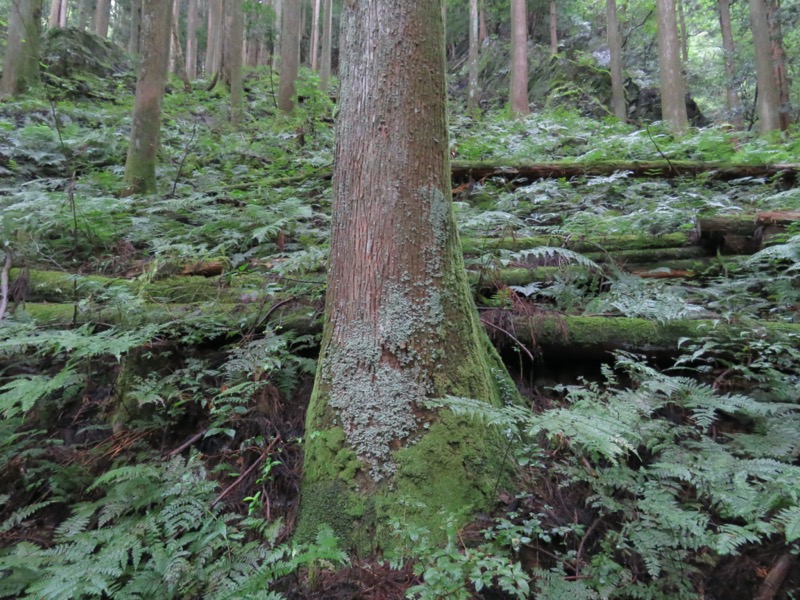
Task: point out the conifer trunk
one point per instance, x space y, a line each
768 103
191 40
327 42
400 325
519 59
673 93
140 167
618 104
732 101
474 43
290 54
779 63
102 15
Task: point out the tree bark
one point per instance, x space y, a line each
618 105
473 97
62 14
732 101
216 23
102 15
553 27
276 47
191 41
400 326
175 49
519 59
779 63
290 54
21 67
768 102
673 94
483 31
140 167
327 43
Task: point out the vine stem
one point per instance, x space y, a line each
249 470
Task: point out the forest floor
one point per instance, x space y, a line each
158 352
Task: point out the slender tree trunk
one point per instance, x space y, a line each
140 167
673 95
732 101
768 103
276 51
400 325
62 14
136 27
21 67
102 15
315 37
175 50
519 59
553 27
779 62
191 41
55 10
215 39
233 57
618 104
327 42
290 54
483 31
473 97
684 34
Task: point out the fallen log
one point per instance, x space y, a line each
576 243
743 234
463 172
551 335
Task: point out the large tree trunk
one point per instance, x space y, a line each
85 9
519 59
290 54
62 14
21 67
102 15
618 105
768 103
473 97
553 27
191 41
140 167
673 94
779 63
732 101
327 43
400 325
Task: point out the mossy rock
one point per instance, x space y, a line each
72 53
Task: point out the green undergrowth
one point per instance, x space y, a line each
643 483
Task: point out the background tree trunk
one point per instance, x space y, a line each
315 37
779 62
21 67
553 27
102 15
191 41
732 101
62 13
85 9
684 34
618 104
136 27
276 48
55 10
216 25
400 324
327 43
768 103
519 59
175 50
290 54
473 97
233 58
483 31
673 94
140 167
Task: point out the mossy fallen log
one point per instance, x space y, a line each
552 335
592 243
475 171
